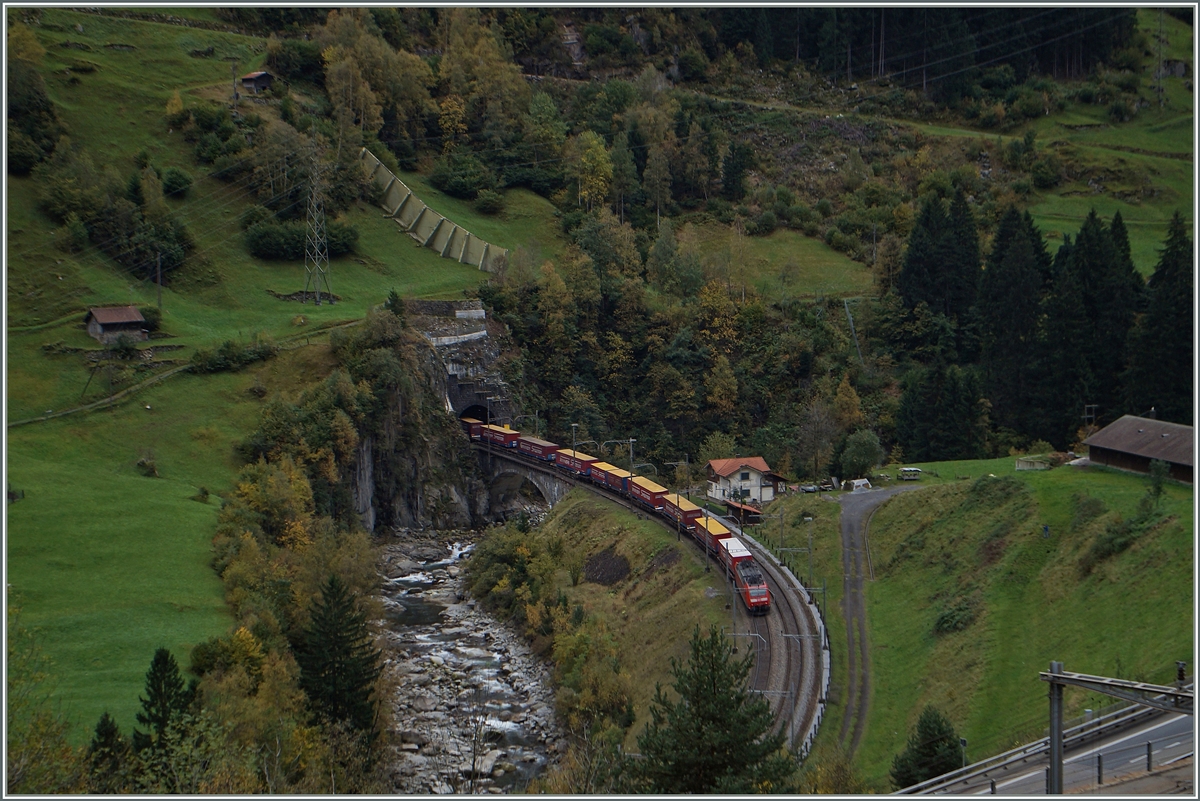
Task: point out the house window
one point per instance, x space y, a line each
745 476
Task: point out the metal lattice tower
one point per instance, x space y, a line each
316 247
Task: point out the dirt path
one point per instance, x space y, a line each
856 570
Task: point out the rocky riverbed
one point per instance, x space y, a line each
473 708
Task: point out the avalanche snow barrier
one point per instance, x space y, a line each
424 224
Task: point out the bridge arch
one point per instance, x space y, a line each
507 473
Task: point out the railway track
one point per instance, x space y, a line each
790 645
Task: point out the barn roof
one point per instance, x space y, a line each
1152 439
108 315
252 75
727 467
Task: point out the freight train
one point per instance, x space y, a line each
711 534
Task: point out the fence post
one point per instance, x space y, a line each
1149 763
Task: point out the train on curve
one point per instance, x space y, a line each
711 534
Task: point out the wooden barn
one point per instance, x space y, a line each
255 82
106 323
1131 442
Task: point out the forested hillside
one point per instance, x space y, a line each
830 237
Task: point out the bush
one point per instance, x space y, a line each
1120 111
209 148
73 236
176 182
123 347
286 241
153 317
489 202
954 617
766 223
255 215
208 117
231 356
693 65
23 152
341 239
298 59
824 207
1046 171
461 175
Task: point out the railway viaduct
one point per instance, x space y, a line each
506 472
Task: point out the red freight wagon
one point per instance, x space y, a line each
537 448
710 532
732 551
505 437
574 461
618 479
681 510
647 492
600 472
471 426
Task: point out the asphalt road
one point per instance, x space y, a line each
857 508
1123 757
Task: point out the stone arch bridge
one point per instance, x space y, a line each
506 472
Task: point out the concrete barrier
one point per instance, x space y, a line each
424 224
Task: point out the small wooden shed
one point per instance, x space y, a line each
106 323
255 82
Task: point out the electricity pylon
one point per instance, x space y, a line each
316 247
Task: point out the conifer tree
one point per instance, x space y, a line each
715 737
933 749
338 662
166 697
921 268
1065 382
961 272
1160 356
1007 317
1109 291
106 755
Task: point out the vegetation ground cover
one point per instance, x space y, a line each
650 614
93 526
115 110
976 548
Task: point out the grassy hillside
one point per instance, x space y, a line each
975 549
109 563
650 613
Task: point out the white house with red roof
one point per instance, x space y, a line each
742 478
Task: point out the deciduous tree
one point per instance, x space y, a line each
595 170
861 454
658 179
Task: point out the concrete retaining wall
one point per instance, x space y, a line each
427 226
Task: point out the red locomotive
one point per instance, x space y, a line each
746 576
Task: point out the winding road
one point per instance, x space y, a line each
857 508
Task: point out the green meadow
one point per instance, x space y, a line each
969 539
